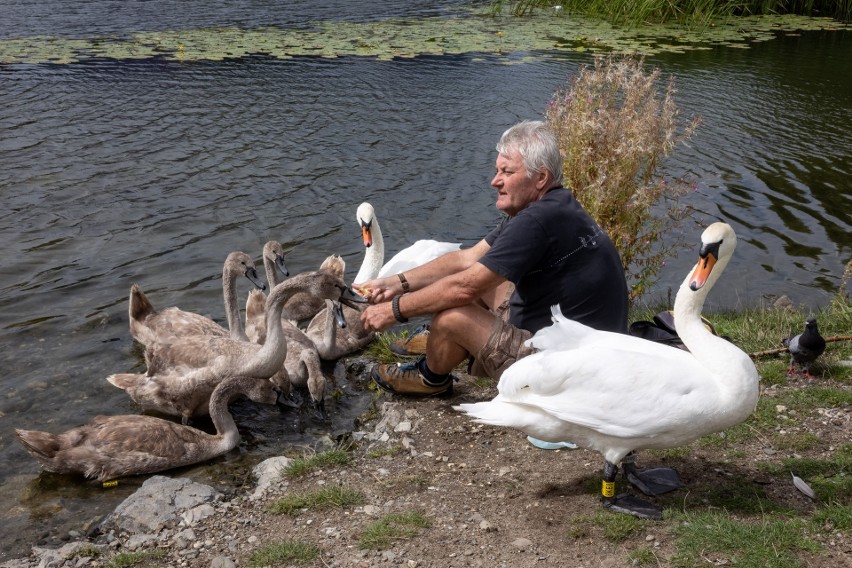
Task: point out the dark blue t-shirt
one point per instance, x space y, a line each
554 252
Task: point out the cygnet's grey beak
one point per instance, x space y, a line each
351 298
251 274
337 312
279 264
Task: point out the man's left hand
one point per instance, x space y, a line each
378 317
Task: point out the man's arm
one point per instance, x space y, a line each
384 289
457 289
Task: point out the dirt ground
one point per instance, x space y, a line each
494 500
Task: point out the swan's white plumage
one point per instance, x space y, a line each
617 393
374 266
420 252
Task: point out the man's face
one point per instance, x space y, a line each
514 189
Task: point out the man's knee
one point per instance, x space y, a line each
466 326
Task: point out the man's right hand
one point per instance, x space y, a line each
379 290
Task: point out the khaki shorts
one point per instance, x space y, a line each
505 345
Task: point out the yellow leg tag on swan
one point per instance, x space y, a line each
608 489
113 483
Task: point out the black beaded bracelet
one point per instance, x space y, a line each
405 287
397 315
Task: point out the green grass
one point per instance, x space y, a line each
758 330
88 551
797 442
304 465
404 484
831 479
335 496
618 528
718 537
379 349
382 533
833 518
643 556
737 495
766 417
382 452
127 559
285 552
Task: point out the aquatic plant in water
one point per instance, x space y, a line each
472 32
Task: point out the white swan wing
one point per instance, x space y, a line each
419 253
587 389
566 334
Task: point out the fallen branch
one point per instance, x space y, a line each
780 350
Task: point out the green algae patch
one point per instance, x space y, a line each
469 34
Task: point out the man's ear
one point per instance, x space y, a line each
543 179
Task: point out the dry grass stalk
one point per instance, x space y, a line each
614 129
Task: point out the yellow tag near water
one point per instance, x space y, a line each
608 489
113 483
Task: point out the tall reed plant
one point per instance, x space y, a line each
614 126
690 12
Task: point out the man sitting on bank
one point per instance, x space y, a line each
548 248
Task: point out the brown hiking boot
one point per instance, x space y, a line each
405 378
414 344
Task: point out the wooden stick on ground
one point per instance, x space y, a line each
780 350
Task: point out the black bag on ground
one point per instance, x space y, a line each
662 330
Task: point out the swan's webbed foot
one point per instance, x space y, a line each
625 503
319 409
656 481
631 505
288 401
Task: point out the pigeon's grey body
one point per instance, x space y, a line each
805 347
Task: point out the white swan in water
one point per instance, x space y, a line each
148 325
183 372
333 340
374 265
115 446
617 393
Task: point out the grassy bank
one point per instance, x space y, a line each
747 511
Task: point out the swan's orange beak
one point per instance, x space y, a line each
367 234
702 271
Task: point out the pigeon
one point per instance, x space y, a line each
805 347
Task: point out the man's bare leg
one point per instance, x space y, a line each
456 333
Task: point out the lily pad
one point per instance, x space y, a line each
470 32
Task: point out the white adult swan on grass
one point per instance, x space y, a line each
183 372
617 394
148 325
116 446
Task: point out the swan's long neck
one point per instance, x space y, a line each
272 275
272 354
232 310
329 330
712 351
223 421
374 256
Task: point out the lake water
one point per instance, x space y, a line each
151 171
